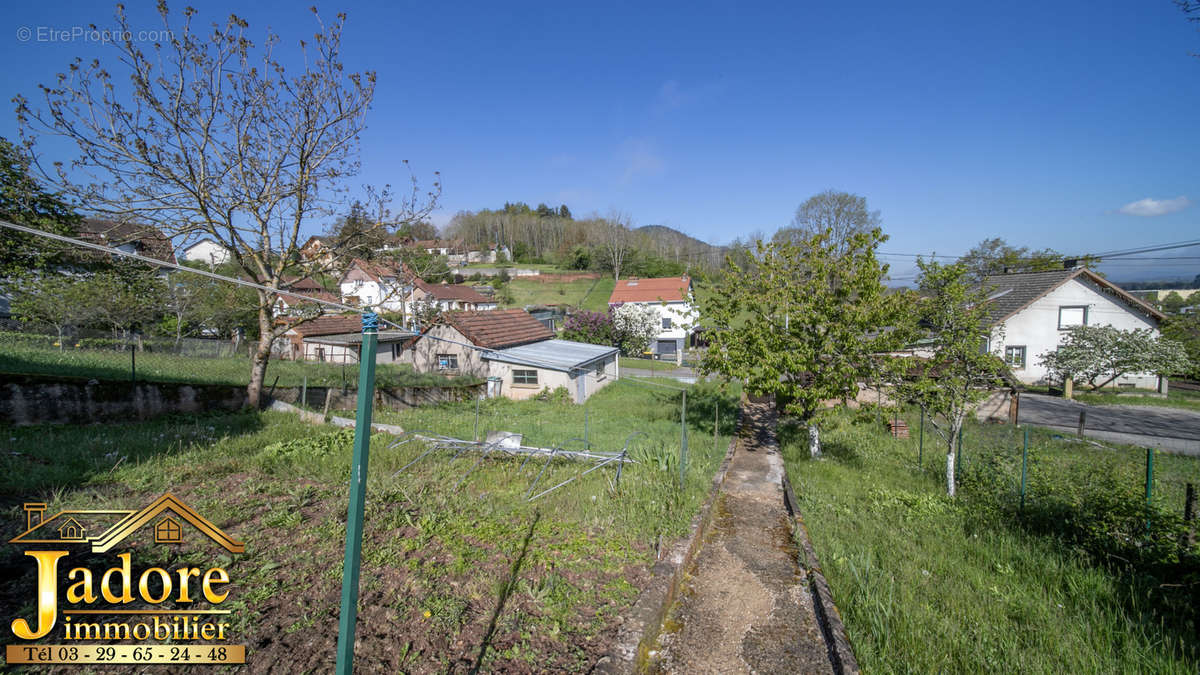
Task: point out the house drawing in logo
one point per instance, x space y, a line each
71 526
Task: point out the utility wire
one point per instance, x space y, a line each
242 282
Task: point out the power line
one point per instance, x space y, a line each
241 282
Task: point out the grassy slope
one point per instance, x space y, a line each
152 367
1176 398
438 552
591 294
927 584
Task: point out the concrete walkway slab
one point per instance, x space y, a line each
747 605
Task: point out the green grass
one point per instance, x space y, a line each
647 364
1176 398
926 583
590 294
441 546
159 367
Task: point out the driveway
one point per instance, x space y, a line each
1169 429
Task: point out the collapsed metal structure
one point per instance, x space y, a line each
508 445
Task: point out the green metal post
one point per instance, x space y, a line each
921 443
716 427
476 419
358 485
683 440
585 426
304 392
1149 485
1024 464
132 364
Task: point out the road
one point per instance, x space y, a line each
1170 429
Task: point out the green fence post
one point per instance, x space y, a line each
132 364
683 440
586 445
716 426
1024 464
358 486
1149 485
921 443
476 419
304 392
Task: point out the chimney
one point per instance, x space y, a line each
1070 263
33 514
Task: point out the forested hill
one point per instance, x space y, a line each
544 234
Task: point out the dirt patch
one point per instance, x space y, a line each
428 603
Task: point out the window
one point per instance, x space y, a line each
666 322
167 531
1014 356
1072 316
666 346
525 377
447 361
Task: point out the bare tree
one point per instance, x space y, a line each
838 215
614 241
211 136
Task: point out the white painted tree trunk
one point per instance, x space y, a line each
814 441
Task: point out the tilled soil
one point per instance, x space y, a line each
746 607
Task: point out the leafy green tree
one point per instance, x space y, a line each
57 300
1097 355
24 202
1185 329
124 298
801 320
953 309
1172 303
836 215
994 256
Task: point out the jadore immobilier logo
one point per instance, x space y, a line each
110 611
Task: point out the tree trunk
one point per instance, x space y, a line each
951 447
814 441
262 355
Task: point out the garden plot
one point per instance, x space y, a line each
456 573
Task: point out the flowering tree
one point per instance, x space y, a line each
592 327
1097 355
634 326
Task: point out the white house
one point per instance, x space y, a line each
336 339
446 297
672 297
515 352
206 251
1030 312
381 286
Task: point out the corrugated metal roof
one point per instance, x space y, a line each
553 354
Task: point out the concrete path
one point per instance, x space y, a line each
1168 429
747 607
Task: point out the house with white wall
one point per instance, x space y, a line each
449 297
1030 312
672 298
384 287
336 339
515 352
206 251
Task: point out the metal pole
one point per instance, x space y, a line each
304 392
1024 464
585 426
683 440
921 443
1082 421
476 419
1149 485
358 485
132 364
716 426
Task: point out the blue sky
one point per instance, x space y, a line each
1034 121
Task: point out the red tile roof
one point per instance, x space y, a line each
499 328
460 293
668 289
147 239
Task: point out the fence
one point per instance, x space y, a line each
32 350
